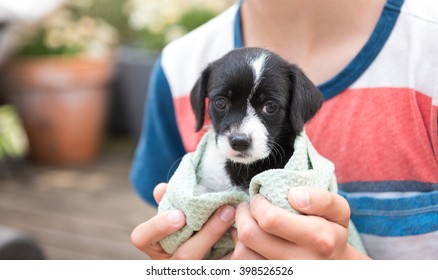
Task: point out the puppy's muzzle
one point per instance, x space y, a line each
239 142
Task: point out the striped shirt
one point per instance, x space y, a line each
378 124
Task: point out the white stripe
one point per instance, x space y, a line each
185 58
415 247
408 58
384 195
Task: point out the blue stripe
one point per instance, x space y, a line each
369 52
396 226
364 58
395 216
238 41
159 130
388 186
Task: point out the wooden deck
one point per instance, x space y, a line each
84 212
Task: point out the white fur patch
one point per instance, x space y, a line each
212 174
257 65
253 127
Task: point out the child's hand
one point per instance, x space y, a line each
265 230
147 235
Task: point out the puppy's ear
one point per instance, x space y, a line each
306 99
198 96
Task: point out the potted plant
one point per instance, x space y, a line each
58 82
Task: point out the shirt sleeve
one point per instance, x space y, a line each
160 146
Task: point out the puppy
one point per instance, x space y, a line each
258 103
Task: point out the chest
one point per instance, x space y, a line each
378 134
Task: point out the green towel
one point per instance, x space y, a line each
305 168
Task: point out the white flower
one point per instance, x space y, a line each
90 35
156 15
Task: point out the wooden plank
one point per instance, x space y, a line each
106 211
76 213
54 221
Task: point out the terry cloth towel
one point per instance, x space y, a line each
305 168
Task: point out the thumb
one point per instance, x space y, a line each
159 191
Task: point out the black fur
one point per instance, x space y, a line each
231 78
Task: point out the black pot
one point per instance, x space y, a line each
130 88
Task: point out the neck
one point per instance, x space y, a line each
303 31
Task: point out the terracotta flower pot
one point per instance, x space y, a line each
62 101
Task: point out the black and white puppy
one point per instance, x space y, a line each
258 104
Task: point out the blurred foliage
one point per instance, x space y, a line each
156 41
194 18
157 22
112 12
13 139
78 26
185 16
37 47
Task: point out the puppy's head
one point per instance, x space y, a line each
255 99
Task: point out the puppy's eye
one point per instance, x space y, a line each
220 103
270 108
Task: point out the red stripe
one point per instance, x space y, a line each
187 123
378 134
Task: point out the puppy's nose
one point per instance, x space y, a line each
239 142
